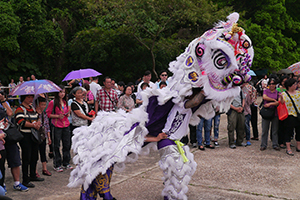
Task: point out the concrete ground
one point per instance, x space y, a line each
222 173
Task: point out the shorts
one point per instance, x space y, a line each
13 155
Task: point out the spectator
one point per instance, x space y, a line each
193 137
107 98
76 82
120 90
28 78
94 86
41 104
79 109
247 90
133 95
58 111
291 123
139 96
27 118
33 77
146 79
126 102
12 150
281 140
162 84
163 75
236 121
281 87
206 123
11 85
89 97
216 120
3 125
262 84
270 100
21 80
113 84
253 108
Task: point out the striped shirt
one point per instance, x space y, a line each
22 116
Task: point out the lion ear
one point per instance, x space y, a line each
233 18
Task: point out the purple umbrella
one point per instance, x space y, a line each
35 87
82 73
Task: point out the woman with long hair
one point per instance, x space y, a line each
58 111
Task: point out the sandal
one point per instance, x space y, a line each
201 148
47 173
209 146
289 152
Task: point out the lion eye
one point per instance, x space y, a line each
221 60
199 50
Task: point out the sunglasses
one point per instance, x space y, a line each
164 75
272 83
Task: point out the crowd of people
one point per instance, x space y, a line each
60 116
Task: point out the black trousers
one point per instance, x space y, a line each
254 120
2 165
42 150
29 157
193 136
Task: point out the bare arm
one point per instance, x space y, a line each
195 101
9 111
265 97
79 114
96 106
155 139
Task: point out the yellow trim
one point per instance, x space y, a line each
181 151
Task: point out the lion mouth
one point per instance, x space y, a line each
217 85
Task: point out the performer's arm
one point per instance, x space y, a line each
160 136
195 101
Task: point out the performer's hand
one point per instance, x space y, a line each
161 136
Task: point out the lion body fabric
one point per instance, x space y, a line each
217 62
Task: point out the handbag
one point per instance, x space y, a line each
35 135
298 114
267 113
282 111
13 135
42 131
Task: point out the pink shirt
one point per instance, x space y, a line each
90 95
60 123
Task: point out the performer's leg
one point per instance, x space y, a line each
175 180
89 194
102 184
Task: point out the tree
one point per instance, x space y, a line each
9 30
273 31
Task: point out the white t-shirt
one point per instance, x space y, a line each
151 84
177 124
94 87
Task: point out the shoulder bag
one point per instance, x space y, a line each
298 114
268 113
115 107
35 135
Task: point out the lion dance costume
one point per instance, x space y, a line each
217 62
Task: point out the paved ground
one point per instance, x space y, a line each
222 173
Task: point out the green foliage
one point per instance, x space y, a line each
122 38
